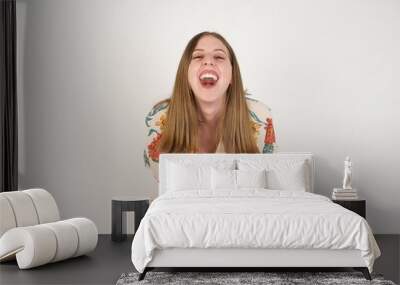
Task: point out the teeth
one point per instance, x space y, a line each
208 76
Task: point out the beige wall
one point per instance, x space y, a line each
89 71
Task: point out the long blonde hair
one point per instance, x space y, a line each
180 134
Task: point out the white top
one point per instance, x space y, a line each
262 125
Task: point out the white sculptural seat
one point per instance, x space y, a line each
31 231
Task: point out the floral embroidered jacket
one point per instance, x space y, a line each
155 122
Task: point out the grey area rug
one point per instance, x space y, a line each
270 278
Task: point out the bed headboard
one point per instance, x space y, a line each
201 159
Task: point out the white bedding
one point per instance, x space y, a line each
250 218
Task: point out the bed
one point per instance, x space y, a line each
245 211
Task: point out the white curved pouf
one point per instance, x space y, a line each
31 233
87 235
33 246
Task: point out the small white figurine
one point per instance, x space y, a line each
347 174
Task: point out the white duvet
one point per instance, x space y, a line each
250 218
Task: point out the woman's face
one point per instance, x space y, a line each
210 70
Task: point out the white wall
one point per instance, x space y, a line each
89 72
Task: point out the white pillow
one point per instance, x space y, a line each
236 179
288 179
282 174
223 179
251 178
183 177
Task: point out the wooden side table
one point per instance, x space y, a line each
123 204
357 206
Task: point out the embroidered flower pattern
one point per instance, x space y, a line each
146 159
152 152
152 148
269 134
161 122
269 139
256 129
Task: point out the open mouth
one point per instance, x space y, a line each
208 78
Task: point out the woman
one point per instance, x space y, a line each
208 111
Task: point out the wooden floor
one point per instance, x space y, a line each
111 259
